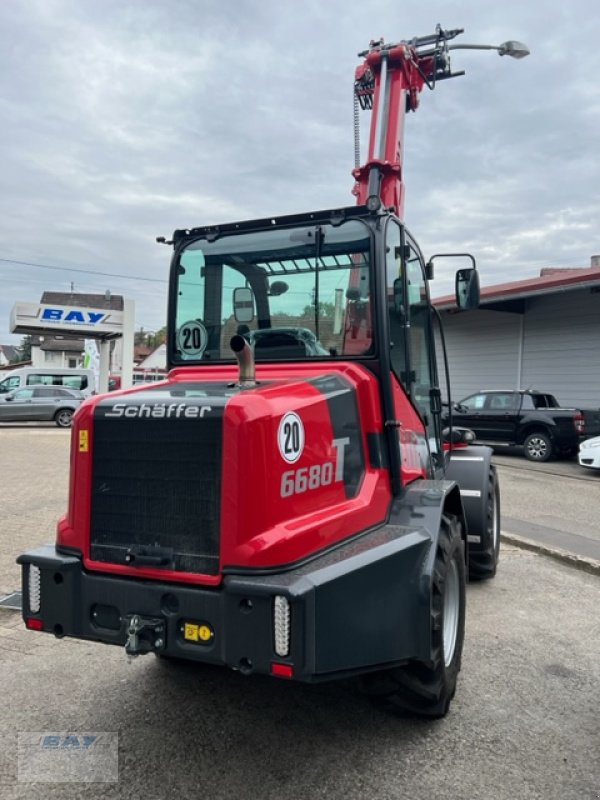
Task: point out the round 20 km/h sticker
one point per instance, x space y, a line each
290 437
192 338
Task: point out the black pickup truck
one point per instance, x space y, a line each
529 418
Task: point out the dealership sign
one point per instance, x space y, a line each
33 318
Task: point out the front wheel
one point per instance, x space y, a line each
538 446
63 418
484 561
427 689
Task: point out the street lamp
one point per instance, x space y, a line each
511 48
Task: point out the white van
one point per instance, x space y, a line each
81 379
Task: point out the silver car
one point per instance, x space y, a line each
40 404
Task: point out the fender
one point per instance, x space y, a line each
423 503
531 423
470 468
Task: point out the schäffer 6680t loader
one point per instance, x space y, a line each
286 501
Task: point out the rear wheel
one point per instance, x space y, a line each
538 446
63 418
483 562
427 689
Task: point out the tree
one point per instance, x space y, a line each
157 338
24 352
325 310
151 339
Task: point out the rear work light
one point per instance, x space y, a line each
579 422
281 625
34 588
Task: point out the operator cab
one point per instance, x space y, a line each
294 292
309 288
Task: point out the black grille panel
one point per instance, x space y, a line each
156 488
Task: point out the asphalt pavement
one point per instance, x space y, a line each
523 725
552 507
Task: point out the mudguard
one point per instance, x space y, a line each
470 468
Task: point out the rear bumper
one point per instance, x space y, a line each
589 458
360 607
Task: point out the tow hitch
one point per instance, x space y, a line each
144 635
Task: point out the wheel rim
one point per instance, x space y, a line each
537 447
451 611
64 418
495 521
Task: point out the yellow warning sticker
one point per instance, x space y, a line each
84 441
200 632
190 632
204 633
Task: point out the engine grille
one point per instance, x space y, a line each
156 487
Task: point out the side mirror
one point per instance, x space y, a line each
243 304
277 288
463 436
467 288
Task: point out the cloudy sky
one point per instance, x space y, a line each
122 120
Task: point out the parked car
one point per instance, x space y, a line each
529 418
589 453
40 404
78 380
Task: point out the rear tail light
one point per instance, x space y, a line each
282 670
579 422
281 625
34 587
34 624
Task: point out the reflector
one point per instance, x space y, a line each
34 588
282 670
281 625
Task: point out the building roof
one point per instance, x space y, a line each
141 351
551 281
114 301
10 351
59 344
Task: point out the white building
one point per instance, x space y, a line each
542 333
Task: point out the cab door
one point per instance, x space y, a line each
412 352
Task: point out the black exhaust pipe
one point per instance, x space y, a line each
245 358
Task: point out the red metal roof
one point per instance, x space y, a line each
557 281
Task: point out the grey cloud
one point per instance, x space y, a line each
125 121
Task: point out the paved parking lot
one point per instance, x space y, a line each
524 724
555 505
34 463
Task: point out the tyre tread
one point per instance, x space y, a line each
427 689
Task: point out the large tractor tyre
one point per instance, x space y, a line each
427 689
484 562
538 446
